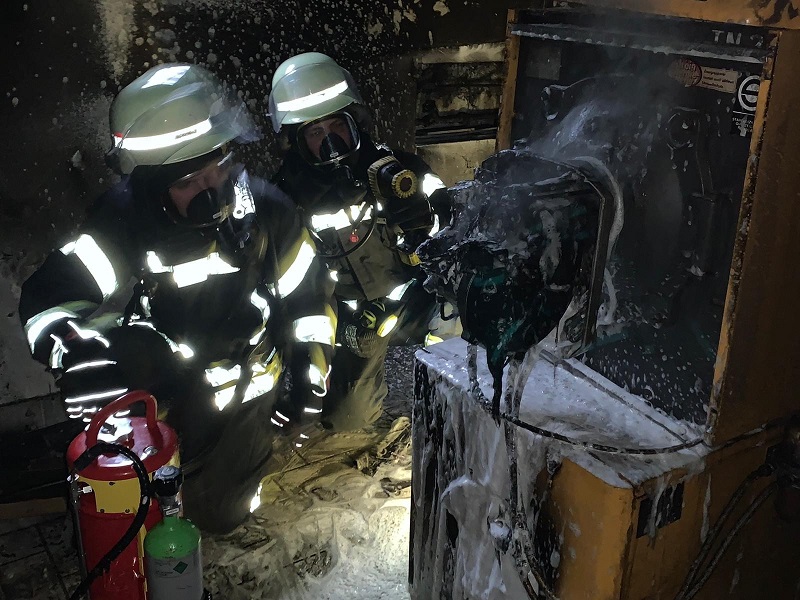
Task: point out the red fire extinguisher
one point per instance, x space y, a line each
110 498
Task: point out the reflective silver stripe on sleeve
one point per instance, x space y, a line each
340 219
38 323
261 304
315 328
317 378
95 261
398 292
224 396
294 275
221 376
115 393
217 376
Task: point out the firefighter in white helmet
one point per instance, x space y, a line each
228 290
368 207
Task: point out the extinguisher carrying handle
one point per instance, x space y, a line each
120 404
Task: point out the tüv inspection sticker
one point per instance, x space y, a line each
692 74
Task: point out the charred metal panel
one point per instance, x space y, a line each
689 105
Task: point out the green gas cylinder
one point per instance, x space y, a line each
173 563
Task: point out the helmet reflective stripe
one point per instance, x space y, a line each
38 323
293 275
192 272
261 304
317 378
430 183
339 219
96 396
173 113
166 76
165 140
398 292
316 328
307 87
96 262
313 99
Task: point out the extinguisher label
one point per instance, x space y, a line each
177 578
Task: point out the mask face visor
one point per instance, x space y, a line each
328 140
204 197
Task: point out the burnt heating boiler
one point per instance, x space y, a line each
650 449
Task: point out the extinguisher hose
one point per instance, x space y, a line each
84 460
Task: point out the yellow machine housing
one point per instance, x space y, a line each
637 538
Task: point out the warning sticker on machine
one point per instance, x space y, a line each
722 80
691 74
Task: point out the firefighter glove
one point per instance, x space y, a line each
409 214
91 376
362 330
96 369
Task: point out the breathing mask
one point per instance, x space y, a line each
328 140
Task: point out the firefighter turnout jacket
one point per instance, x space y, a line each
365 253
238 300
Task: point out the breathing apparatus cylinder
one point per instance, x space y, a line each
108 492
173 561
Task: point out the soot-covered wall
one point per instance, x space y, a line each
64 61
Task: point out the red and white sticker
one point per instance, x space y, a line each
691 74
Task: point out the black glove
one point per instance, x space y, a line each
409 214
54 332
90 374
442 204
362 331
98 369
